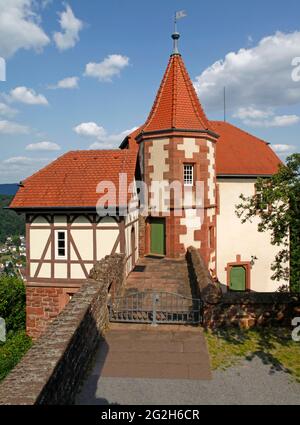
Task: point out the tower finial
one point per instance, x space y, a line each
175 36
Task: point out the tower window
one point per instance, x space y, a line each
188 174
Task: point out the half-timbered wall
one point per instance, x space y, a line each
52 276
131 240
88 239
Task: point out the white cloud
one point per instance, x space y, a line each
71 27
11 127
28 96
43 146
7 111
20 27
66 83
90 129
252 113
283 149
17 168
111 66
264 118
103 139
21 160
259 76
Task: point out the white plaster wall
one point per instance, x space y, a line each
45 271
107 222
38 241
193 223
211 170
77 272
131 220
60 271
83 240
159 193
105 242
33 267
189 147
235 238
210 214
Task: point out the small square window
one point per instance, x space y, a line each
188 175
60 245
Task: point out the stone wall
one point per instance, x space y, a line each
202 283
243 309
43 304
52 370
252 309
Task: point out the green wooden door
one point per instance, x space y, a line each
158 236
238 278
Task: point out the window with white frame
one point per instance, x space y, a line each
188 174
61 244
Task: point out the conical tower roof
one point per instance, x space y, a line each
177 105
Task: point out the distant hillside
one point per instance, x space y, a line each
11 224
8 189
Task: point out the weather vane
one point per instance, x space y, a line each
178 15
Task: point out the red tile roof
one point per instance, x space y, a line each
240 153
72 179
237 152
177 105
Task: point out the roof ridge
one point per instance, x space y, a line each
174 93
193 96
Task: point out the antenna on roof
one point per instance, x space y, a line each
178 15
224 104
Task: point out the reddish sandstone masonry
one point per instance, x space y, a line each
43 304
174 228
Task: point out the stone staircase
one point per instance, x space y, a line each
159 274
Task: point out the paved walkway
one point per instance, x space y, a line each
251 382
142 351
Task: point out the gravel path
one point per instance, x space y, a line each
250 382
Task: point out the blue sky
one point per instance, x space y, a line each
52 101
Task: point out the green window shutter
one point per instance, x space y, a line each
238 278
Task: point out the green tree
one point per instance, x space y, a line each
11 224
277 203
12 302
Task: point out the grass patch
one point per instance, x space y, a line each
274 346
12 351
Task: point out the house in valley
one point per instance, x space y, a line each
66 236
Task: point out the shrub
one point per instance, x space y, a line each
12 351
12 303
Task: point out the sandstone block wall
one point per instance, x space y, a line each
52 370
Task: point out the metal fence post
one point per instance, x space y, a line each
154 301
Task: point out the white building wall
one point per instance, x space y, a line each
235 238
